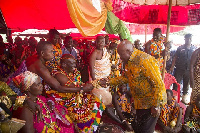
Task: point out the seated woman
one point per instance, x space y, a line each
122 103
84 108
171 114
10 100
192 117
51 121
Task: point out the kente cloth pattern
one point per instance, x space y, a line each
196 89
123 103
88 112
25 80
156 48
144 79
169 113
102 68
54 121
57 51
192 122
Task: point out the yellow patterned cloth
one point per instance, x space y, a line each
145 82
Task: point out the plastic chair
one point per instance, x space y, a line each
169 80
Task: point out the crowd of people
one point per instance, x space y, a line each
109 85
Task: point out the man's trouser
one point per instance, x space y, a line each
144 121
182 75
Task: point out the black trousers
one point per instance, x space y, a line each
144 121
182 75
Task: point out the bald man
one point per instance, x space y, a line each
146 86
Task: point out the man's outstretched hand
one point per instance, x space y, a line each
88 87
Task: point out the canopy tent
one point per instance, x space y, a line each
21 15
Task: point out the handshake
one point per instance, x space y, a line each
104 82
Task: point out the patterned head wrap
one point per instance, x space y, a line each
25 80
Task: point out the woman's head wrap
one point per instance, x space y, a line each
25 80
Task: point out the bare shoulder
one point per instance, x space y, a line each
93 54
148 43
40 67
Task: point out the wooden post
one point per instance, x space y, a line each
167 36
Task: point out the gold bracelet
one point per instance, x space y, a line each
19 102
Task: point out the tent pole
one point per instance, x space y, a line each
145 33
167 36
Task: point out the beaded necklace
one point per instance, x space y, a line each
52 125
73 77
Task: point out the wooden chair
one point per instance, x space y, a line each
169 80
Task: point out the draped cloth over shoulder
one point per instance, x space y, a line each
102 69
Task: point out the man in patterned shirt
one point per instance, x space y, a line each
147 88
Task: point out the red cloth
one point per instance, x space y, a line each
156 14
36 14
